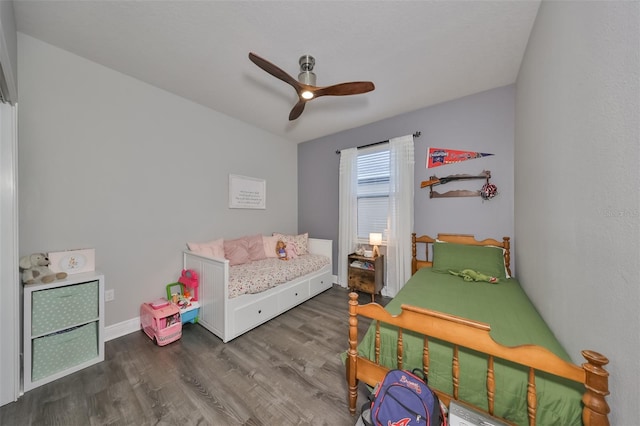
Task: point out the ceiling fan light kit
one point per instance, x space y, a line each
305 86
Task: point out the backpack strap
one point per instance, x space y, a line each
421 374
444 411
365 415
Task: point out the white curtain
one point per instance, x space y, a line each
401 185
348 221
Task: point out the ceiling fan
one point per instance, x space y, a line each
305 85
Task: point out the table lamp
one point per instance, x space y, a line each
375 239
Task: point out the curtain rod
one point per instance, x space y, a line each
415 135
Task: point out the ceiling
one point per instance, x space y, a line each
417 53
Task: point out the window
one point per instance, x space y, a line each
373 191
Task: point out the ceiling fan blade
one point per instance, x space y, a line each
297 110
344 89
273 70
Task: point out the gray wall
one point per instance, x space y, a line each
577 202
482 122
109 162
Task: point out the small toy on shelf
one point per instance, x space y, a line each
189 278
180 295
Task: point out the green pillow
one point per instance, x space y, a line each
488 260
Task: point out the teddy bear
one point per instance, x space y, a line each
281 250
35 268
471 275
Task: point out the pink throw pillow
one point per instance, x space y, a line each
236 251
214 248
256 247
269 245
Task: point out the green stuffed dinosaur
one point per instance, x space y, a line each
471 275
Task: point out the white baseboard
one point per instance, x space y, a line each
335 281
121 329
130 326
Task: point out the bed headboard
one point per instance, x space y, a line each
425 261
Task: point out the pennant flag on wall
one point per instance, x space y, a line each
441 156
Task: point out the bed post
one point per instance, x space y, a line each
414 259
596 409
507 253
352 353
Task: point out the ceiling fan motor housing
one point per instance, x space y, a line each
306 76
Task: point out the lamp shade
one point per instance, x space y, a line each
375 238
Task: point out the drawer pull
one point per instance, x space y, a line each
259 311
296 294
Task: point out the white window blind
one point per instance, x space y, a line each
373 191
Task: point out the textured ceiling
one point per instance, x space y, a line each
418 53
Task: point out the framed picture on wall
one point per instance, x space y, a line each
247 192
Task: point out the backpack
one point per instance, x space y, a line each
404 399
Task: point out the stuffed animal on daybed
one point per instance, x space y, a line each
281 250
291 252
471 275
35 269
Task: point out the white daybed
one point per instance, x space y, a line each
227 317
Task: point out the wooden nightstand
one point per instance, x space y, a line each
366 274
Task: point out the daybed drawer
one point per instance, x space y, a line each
249 316
59 351
320 283
57 308
293 296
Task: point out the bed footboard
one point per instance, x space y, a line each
464 333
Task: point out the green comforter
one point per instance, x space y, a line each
514 321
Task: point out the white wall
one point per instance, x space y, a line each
107 161
577 204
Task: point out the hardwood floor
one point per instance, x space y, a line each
285 372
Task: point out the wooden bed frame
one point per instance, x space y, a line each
474 335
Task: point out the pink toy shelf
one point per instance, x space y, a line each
184 294
160 320
189 278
